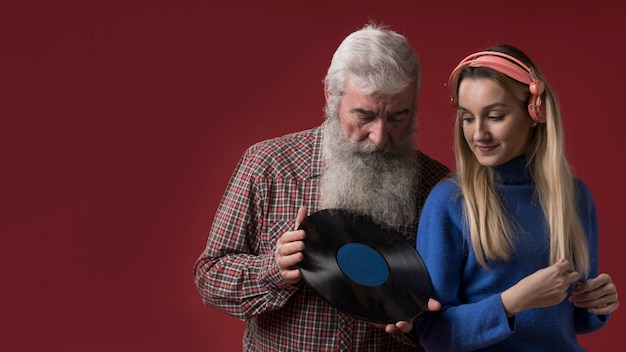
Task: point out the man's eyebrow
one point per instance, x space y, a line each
401 112
363 111
370 112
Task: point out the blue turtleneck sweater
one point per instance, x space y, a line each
473 317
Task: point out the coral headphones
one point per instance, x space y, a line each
509 66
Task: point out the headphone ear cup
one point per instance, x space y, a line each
535 113
536 110
534 107
537 87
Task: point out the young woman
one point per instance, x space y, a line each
511 241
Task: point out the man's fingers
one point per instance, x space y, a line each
404 326
301 216
433 305
291 276
290 261
292 243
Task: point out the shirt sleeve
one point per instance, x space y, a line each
237 273
458 326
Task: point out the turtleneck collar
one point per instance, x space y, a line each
513 171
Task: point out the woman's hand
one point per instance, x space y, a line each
598 295
545 287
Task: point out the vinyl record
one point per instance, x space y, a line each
363 269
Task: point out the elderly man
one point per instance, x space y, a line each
362 158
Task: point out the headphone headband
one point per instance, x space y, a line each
509 66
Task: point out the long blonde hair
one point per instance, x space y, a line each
490 226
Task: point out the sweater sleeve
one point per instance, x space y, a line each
586 322
459 325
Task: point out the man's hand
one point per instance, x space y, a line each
289 249
406 326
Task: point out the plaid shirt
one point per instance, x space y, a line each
237 274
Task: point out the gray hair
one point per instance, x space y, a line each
375 59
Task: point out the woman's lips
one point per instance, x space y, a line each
486 149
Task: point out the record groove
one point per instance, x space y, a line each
365 270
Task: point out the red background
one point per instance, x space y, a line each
121 122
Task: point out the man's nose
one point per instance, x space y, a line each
379 132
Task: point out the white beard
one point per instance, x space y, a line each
361 177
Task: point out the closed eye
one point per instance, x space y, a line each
399 116
465 116
364 116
